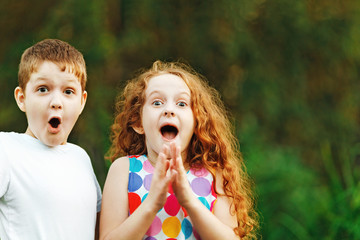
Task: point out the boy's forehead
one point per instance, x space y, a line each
48 70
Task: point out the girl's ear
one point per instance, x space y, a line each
20 98
139 129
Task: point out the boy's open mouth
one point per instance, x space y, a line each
54 122
169 132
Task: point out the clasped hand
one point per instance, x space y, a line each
169 169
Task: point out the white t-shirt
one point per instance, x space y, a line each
46 192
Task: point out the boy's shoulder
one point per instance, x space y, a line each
15 138
22 140
77 148
4 136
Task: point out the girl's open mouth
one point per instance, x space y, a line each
169 132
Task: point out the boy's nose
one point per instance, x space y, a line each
56 102
56 106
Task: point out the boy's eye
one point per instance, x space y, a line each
42 89
68 91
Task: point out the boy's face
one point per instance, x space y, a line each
52 101
167 115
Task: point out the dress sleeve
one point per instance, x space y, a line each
4 171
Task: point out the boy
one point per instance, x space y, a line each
48 189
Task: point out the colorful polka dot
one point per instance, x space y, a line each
135 182
199 172
170 190
148 167
135 165
144 197
171 227
134 202
196 235
150 238
147 181
203 201
186 228
172 205
171 221
155 227
201 186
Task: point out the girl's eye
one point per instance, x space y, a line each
42 89
182 104
157 103
68 91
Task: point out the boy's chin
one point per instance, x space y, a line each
48 139
53 141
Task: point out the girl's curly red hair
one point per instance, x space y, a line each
213 144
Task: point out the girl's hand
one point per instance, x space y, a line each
180 183
161 179
222 221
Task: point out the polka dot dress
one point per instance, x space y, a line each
172 221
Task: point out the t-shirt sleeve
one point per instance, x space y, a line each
98 194
4 171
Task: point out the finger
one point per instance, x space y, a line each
173 175
179 160
173 150
162 163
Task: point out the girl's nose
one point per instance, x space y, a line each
169 113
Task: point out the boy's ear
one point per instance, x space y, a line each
20 98
138 129
83 100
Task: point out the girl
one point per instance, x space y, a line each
187 180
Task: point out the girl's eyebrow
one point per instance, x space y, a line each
182 93
156 92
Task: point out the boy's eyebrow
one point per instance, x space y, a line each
47 79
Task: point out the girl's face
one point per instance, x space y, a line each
167 115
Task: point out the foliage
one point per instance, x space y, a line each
287 70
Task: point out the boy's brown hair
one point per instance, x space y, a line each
59 52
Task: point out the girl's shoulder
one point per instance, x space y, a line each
119 165
118 174
126 163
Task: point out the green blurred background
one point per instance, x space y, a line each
288 70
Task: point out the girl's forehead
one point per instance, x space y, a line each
166 82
